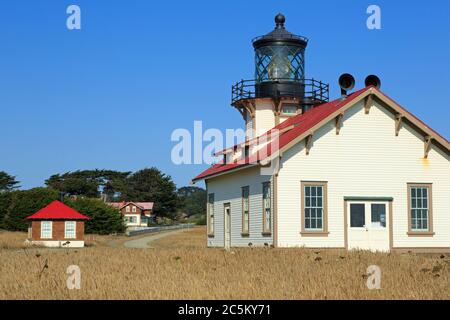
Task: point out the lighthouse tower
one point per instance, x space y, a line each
279 89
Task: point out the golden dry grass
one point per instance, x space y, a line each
180 267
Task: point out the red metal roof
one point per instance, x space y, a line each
57 211
142 205
301 123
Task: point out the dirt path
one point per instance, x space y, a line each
143 243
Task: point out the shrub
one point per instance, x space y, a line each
104 219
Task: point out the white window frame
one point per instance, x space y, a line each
133 209
127 209
73 233
132 219
45 231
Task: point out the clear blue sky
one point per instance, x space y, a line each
110 95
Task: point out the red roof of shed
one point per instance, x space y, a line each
57 211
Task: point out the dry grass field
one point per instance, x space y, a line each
180 267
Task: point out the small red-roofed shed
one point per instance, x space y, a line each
57 225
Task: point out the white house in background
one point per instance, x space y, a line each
359 172
136 214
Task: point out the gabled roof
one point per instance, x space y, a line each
298 127
141 205
57 211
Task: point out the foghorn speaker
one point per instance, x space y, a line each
373 80
346 82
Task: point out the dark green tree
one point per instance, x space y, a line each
192 200
5 202
151 184
21 204
88 183
104 219
7 182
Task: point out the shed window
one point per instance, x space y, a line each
267 208
245 209
70 230
46 229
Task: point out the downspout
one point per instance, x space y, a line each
275 200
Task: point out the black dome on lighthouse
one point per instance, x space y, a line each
280 35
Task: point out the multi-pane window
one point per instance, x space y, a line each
245 209
210 210
419 208
46 229
267 208
70 230
314 207
133 219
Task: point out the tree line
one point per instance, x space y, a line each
88 190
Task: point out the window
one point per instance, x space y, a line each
246 151
420 209
132 219
127 209
289 109
314 208
46 229
210 210
357 215
378 216
133 209
70 229
267 209
245 210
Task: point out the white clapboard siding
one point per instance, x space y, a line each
365 159
227 189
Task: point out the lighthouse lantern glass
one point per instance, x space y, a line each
279 61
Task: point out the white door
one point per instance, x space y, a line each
368 225
227 226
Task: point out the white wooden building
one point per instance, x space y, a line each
359 172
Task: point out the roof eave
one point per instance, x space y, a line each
214 175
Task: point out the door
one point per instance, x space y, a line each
227 226
368 225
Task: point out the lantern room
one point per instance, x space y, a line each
279 88
279 61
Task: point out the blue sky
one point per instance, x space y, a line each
110 95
